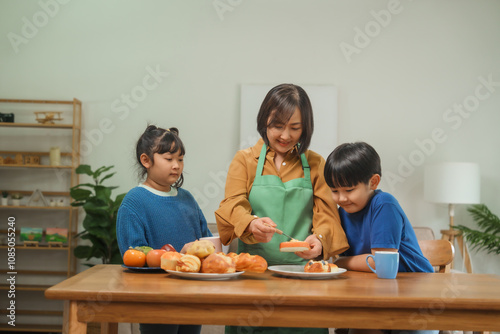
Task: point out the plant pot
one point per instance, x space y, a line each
16 202
5 201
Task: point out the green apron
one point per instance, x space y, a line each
290 206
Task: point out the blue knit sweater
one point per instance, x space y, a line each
147 219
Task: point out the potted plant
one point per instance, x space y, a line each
100 216
16 199
5 198
489 238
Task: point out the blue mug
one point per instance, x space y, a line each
387 264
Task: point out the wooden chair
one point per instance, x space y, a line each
440 253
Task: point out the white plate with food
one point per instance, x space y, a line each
205 276
297 270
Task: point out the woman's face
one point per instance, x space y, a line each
283 137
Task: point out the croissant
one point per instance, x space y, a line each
169 260
317 267
188 263
218 263
250 263
201 248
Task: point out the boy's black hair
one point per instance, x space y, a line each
350 164
158 140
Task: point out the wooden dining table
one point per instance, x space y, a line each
111 294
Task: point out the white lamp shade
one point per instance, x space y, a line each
452 183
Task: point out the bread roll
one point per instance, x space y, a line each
250 263
317 267
218 263
169 260
294 246
333 267
188 263
201 248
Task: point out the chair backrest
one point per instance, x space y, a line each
424 233
440 253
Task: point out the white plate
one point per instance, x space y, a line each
142 268
297 270
204 276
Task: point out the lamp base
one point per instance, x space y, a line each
451 236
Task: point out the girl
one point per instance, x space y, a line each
159 211
280 183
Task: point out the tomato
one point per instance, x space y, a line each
134 258
168 248
153 258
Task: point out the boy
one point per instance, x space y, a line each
372 219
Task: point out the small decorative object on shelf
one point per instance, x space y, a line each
37 199
48 117
16 199
31 234
5 198
31 244
55 156
55 234
7 118
55 244
32 159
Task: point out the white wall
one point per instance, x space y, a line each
394 88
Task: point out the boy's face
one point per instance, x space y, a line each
354 199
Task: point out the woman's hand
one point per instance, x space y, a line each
316 248
262 229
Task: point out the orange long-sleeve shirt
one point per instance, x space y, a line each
235 212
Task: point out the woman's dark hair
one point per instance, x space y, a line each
278 107
350 164
158 140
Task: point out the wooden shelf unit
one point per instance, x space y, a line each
73 157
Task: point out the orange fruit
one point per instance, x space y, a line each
134 258
153 258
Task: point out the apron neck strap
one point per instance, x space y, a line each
262 159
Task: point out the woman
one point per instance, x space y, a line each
280 183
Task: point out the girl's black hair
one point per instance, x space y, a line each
350 164
278 107
158 140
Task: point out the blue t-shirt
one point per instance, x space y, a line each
148 219
383 224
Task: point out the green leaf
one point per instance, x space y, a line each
82 252
84 169
103 193
80 194
99 171
106 177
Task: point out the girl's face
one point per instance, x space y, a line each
164 171
283 137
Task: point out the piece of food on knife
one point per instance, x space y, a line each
294 246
